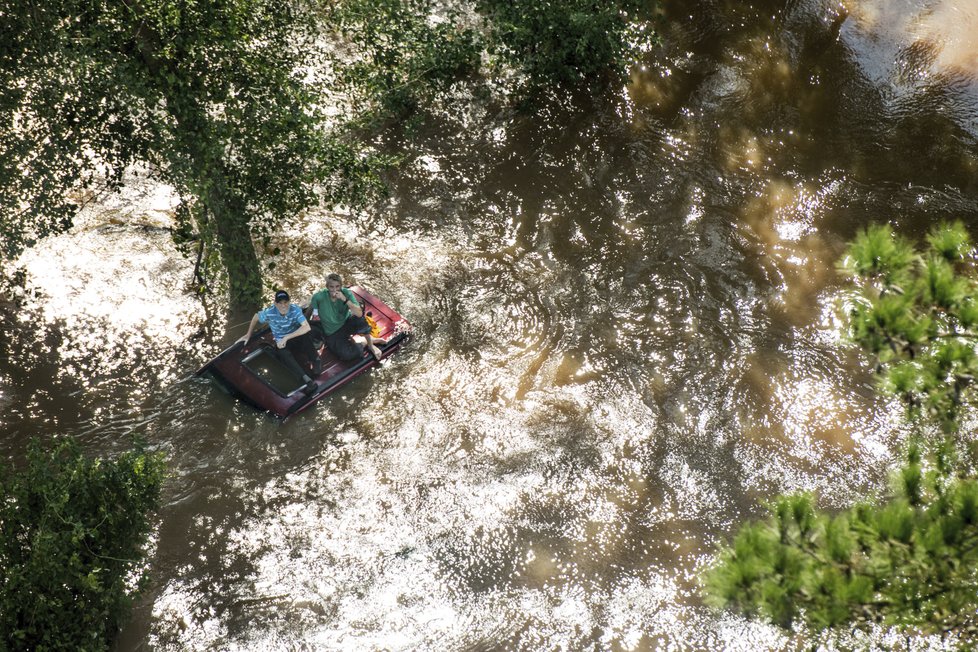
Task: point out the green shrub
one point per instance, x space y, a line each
72 538
397 58
566 41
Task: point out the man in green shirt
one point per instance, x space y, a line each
339 316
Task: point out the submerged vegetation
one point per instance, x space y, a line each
566 41
910 561
393 61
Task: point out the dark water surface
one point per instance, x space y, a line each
627 338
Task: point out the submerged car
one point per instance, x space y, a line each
250 371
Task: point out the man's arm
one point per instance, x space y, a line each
353 305
302 330
251 328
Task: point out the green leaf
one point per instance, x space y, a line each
74 534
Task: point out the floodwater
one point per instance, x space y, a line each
627 337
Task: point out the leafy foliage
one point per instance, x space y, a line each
565 41
72 534
229 101
911 563
217 98
917 313
401 55
398 56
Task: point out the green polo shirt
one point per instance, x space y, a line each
332 314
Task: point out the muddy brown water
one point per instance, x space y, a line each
627 337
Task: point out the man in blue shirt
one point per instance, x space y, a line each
291 333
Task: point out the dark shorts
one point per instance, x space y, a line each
340 342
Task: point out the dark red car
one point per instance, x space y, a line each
249 370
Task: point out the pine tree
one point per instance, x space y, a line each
917 315
909 561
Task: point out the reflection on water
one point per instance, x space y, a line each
945 28
626 339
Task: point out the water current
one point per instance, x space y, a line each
627 338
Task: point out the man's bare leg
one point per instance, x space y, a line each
370 343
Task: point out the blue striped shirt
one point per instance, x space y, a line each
280 324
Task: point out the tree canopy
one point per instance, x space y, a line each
220 99
73 532
907 560
567 41
231 101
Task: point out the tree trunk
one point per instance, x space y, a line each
236 246
208 176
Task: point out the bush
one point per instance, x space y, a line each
397 58
565 42
72 538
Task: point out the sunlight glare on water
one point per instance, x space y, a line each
129 295
950 27
627 338
106 309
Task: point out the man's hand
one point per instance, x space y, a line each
280 343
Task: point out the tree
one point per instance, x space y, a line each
402 55
72 537
567 42
218 98
396 61
917 315
911 560
910 563
228 101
